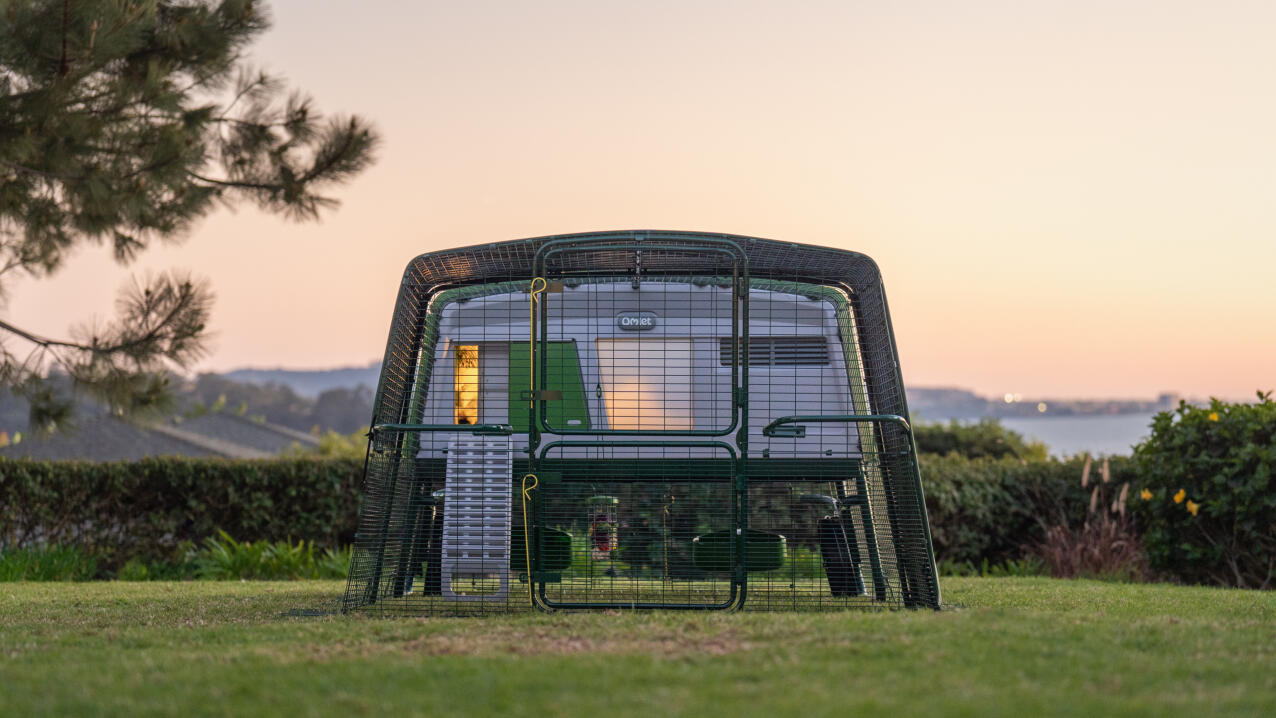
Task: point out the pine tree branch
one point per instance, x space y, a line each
39 340
129 121
39 173
64 67
232 183
149 337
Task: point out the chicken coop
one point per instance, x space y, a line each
641 419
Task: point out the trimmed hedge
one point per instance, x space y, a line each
981 510
994 509
117 511
984 438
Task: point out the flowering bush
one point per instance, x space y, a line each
1207 495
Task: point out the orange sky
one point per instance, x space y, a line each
1066 198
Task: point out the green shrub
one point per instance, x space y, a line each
984 439
46 563
1207 495
997 510
225 558
1030 566
149 510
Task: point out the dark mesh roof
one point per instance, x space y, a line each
513 260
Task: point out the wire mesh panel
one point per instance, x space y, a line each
644 419
648 524
646 316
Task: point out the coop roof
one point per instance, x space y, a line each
766 258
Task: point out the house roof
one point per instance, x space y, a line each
108 438
258 435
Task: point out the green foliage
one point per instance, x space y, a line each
997 510
125 123
803 562
1025 567
984 439
1209 515
179 565
46 563
145 510
336 446
340 409
225 558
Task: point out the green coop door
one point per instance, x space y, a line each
562 374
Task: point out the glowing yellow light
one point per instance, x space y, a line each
1010 398
1041 407
646 383
466 384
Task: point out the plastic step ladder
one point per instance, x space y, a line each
477 508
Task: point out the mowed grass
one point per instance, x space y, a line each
1006 647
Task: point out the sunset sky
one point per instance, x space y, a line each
1066 198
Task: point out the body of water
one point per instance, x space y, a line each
1068 435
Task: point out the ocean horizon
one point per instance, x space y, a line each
1098 435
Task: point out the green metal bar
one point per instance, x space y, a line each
760 470
537 320
870 537
715 244
502 429
740 304
626 443
770 429
728 604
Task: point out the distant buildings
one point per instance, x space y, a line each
941 404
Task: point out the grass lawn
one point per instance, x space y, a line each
1008 647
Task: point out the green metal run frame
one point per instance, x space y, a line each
851 282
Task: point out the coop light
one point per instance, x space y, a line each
467 384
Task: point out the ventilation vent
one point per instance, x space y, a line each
780 351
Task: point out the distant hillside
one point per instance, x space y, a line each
342 409
944 403
311 383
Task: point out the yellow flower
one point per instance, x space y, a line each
1178 498
1213 416
1193 507
1145 494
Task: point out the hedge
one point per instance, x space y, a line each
145 509
985 438
980 509
994 509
